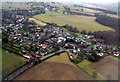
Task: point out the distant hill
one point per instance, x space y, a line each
109 6
16 0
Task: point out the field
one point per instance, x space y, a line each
106 67
9 63
81 22
37 21
115 16
53 71
62 58
14 5
84 66
114 58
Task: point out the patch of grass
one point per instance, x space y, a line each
37 21
81 22
83 12
9 63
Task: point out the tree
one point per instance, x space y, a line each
90 33
82 9
83 32
94 57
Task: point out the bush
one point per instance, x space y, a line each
77 60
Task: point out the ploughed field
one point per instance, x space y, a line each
53 71
107 67
81 22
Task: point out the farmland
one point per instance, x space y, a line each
106 67
9 63
91 72
11 6
61 58
53 71
81 22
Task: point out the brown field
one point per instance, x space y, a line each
53 71
107 67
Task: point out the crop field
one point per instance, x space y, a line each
84 65
53 71
9 63
81 22
107 67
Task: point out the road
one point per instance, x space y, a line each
49 55
13 75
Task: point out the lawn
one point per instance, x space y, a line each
62 58
37 21
9 63
81 22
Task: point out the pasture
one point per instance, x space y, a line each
37 21
81 22
9 63
53 71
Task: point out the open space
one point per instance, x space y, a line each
37 21
10 63
53 71
62 58
84 66
81 22
11 6
107 67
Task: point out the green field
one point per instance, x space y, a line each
37 21
111 15
81 22
9 63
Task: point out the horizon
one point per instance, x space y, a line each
71 1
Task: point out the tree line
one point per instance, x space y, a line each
107 21
110 37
